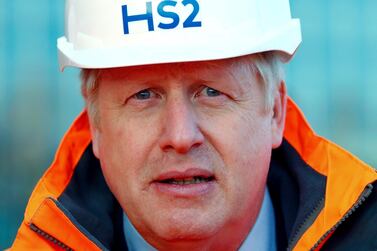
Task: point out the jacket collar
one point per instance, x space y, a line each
348 178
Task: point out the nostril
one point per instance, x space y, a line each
196 144
180 144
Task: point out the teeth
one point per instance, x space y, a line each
188 181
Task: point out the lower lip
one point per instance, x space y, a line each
185 191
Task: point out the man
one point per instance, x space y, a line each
190 141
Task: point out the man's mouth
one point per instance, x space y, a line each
187 181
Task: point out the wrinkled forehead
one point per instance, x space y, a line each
236 68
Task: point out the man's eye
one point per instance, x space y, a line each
210 92
144 94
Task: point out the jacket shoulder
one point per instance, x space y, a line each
359 231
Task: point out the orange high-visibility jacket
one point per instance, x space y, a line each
323 196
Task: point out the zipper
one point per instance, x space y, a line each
306 223
59 243
364 195
49 237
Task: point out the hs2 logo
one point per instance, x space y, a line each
165 9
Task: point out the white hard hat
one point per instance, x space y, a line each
117 33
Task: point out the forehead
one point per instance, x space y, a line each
227 68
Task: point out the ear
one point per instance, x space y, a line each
278 116
96 138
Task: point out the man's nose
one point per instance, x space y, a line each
181 131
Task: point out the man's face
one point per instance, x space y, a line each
185 148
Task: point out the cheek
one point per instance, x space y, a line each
241 139
244 144
128 139
249 163
124 153
251 153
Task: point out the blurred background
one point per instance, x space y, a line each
333 77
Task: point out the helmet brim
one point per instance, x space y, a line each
173 49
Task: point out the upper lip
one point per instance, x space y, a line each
184 174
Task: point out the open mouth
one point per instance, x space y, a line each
187 181
190 183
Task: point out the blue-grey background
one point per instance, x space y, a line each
333 77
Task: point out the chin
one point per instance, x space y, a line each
174 233
190 236
187 229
